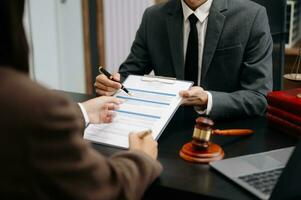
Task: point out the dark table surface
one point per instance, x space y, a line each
198 181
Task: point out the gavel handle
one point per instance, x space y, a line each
235 132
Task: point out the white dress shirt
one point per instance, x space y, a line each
85 114
201 13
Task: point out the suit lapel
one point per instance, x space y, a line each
175 34
214 29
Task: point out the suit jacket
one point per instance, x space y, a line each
43 154
237 58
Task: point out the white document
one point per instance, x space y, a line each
152 105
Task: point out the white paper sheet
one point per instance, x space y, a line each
151 107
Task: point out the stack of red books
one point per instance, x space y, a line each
284 110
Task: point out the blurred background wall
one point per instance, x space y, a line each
59 33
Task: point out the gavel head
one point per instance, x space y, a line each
202 132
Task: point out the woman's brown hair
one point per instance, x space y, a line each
13 44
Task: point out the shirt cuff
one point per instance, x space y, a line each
209 106
85 114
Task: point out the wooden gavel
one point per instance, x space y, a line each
204 129
201 149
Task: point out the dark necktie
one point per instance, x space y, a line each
192 52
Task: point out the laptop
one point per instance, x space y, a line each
269 175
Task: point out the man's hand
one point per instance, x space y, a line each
101 109
195 96
106 87
146 144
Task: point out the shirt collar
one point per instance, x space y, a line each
201 12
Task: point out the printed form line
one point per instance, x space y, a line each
139 114
147 101
152 92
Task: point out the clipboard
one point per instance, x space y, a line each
153 103
162 79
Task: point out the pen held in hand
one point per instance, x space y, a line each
110 76
144 134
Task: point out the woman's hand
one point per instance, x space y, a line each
101 109
147 144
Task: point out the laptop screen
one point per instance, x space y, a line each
268 175
289 183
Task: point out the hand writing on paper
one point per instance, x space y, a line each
101 109
146 143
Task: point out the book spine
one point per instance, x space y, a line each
284 115
283 125
290 104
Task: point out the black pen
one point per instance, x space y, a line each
110 76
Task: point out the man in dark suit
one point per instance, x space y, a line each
224 46
42 151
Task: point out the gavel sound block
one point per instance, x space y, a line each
200 149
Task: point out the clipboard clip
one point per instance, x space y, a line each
160 79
